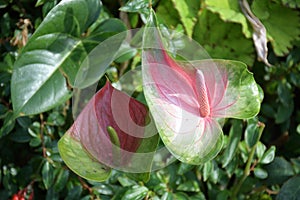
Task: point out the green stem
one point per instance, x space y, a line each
150 4
247 169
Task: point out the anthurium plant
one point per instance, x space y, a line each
149 100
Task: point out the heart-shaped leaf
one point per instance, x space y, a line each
112 130
186 98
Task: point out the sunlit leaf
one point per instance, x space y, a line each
222 39
270 13
229 10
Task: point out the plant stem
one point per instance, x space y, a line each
247 169
150 4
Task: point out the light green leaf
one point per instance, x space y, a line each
229 10
270 13
260 173
291 3
189 186
140 6
222 39
136 192
260 150
80 161
268 156
187 10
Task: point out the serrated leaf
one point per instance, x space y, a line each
187 10
222 39
229 10
290 190
270 13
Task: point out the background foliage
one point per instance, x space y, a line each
250 166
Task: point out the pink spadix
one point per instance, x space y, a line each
187 98
111 109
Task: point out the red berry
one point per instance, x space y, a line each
15 197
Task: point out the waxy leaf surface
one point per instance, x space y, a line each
110 129
186 98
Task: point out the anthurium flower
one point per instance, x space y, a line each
187 98
109 130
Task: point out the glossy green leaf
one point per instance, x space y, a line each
140 6
290 190
251 132
234 138
260 150
207 170
189 186
36 79
80 161
260 173
136 192
8 124
125 181
47 174
103 188
268 156
56 50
